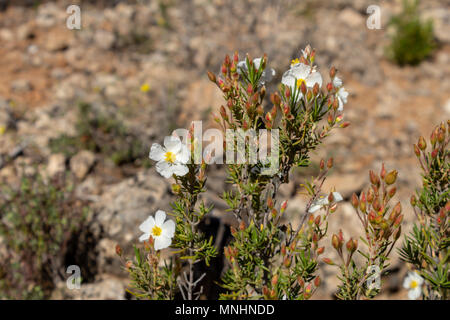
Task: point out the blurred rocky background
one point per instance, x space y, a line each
91 102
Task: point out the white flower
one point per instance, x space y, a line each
323 201
413 282
341 93
266 75
162 232
301 73
172 158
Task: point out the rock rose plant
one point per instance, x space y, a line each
269 257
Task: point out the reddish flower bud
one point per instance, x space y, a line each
332 72
250 89
330 163
320 250
242 226
398 221
316 89
283 206
350 245
416 150
317 281
434 153
362 202
374 178
392 191
274 280
383 171
422 144
303 88
355 201
329 86
212 76
322 164
328 261
118 250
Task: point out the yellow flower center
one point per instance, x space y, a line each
295 61
413 284
300 81
170 157
156 231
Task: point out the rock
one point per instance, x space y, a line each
81 163
104 39
58 40
21 85
56 164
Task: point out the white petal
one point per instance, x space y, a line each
172 143
179 169
157 152
164 169
314 208
257 62
241 66
407 282
414 294
300 71
168 229
183 155
147 225
162 242
337 197
337 82
144 237
313 78
160 216
288 79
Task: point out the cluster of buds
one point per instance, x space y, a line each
373 210
243 107
337 241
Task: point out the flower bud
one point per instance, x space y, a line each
392 191
316 89
350 245
250 89
362 202
283 249
320 250
330 163
329 86
332 72
355 201
118 250
335 242
370 196
233 230
433 138
300 281
322 164
274 280
344 124
391 177
397 233
303 88
413 200
383 171
317 281
434 153
328 261
242 226
422 144
287 261
416 150
317 220
129 264
398 221
212 76
374 178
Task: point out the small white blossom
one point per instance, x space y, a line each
266 75
413 283
301 73
162 232
322 201
341 93
172 158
